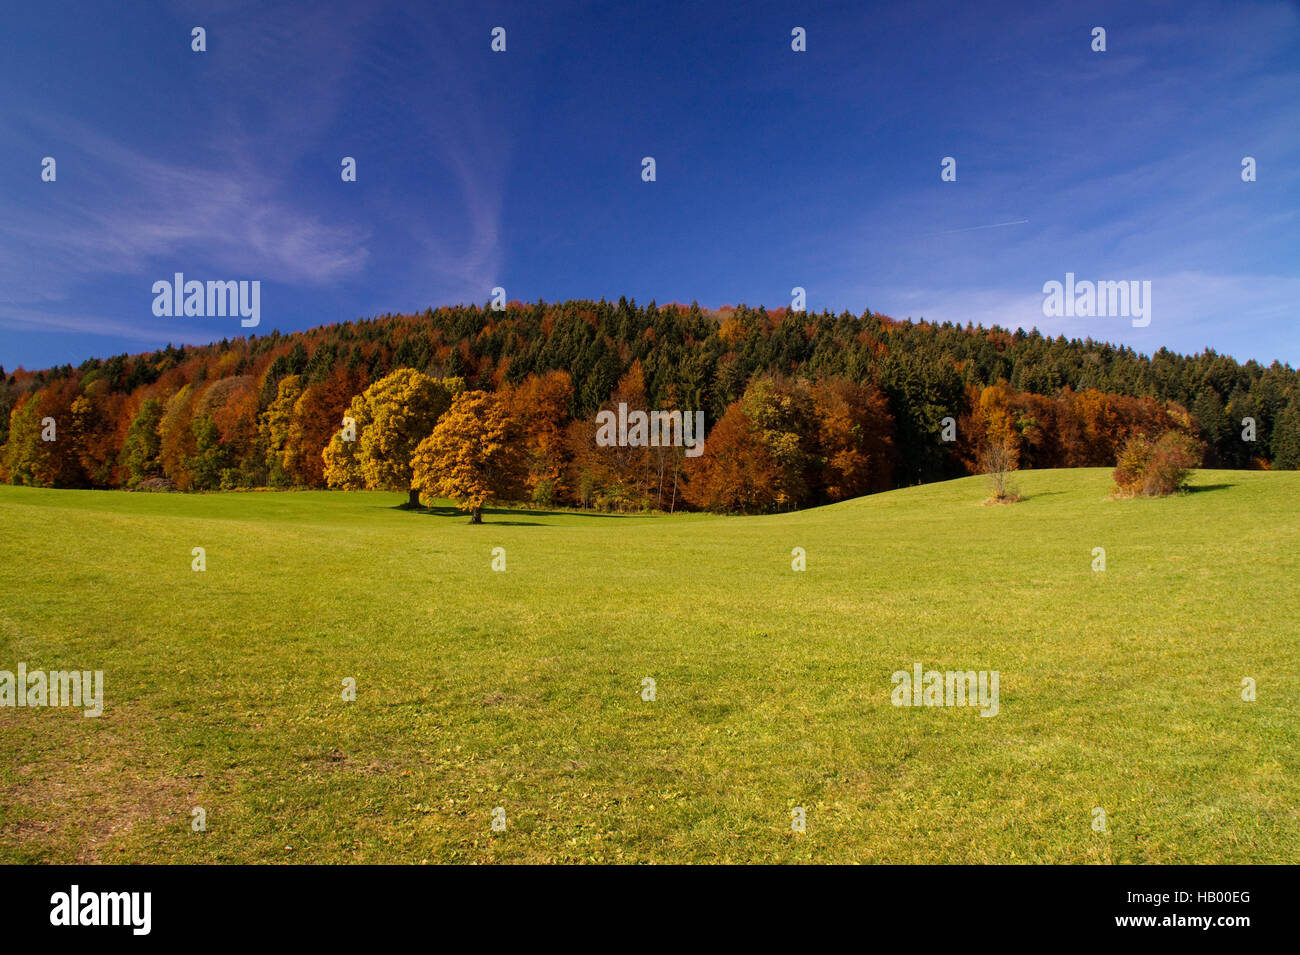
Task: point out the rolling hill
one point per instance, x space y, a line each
523 689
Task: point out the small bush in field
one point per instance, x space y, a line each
156 484
1147 469
998 458
1131 468
1175 455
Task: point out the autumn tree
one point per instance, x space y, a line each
997 409
43 450
274 425
315 418
736 473
611 477
392 417
231 405
1100 431
668 460
623 472
92 437
341 457
473 456
176 438
782 415
540 405
211 458
854 438
140 452
585 475
26 455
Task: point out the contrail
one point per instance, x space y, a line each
974 228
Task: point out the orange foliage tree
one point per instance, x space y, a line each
736 473
473 456
540 406
854 439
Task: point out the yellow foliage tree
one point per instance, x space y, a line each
392 417
273 429
342 460
999 418
473 455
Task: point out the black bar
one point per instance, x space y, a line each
949 904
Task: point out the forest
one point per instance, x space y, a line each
801 409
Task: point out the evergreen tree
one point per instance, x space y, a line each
1286 437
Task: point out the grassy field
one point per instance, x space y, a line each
523 689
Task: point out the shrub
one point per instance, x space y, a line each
1131 468
155 484
1157 469
998 458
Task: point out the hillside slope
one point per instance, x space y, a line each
522 689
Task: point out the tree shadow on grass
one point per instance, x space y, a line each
575 513
1198 488
422 510
444 510
1031 497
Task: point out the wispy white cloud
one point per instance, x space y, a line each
1102 202
456 253
82 323
131 211
1188 310
236 204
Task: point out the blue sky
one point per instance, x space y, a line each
775 169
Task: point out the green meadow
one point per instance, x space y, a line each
476 689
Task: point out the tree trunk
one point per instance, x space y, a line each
476 516
413 498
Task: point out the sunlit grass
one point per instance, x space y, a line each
522 689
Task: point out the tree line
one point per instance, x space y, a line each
801 408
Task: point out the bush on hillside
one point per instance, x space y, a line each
998 458
1156 469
